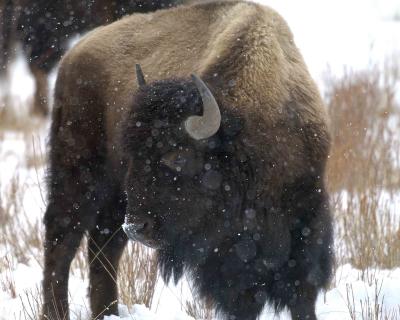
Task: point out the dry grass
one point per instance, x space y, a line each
369 230
364 117
7 280
21 241
21 237
199 309
31 302
363 171
137 275
15 116
371 307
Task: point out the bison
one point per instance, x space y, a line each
213 154
44 28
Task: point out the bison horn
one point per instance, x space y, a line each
140 76
203 127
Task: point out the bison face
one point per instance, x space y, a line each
174 180
166 195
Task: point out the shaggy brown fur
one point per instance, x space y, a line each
246 55
244 51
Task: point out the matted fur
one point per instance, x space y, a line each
108 136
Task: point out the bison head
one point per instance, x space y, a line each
189 182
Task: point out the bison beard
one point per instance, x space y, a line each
241 247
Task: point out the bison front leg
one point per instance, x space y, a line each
60 246
304 307
311 249
67 218
106 244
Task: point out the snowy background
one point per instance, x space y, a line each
335 35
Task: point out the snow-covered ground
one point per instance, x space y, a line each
338 34
168 301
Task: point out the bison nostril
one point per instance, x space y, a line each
131 229
135 230
138 226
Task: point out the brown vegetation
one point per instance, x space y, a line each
363 171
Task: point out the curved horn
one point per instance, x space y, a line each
203 127
140 75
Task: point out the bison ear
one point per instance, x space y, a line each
140 76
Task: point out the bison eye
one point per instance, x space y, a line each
184 161
174 160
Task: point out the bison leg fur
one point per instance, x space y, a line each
304 308
59 250
106 244
68 217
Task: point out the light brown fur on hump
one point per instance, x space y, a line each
244 51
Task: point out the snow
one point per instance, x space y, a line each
331 305
330 34
143 313
386 282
